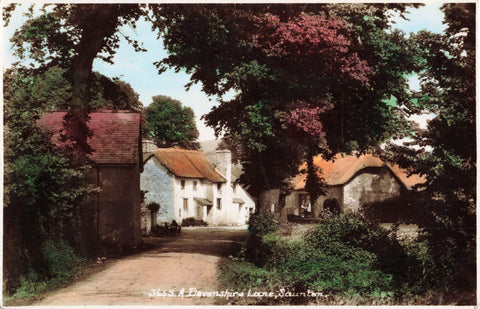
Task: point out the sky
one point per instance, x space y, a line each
138 70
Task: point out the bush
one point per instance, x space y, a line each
394 210
346 255
241 275
61 260
347 270
259 225
193 222
60 263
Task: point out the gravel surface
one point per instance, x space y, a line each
184 265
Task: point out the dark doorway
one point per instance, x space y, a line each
153 207
332 206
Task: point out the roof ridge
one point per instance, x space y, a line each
363 156
179 150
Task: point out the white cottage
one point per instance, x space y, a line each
185 184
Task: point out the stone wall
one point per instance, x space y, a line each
158 184
370 185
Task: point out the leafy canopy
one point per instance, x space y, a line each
171 124
309 78
448 91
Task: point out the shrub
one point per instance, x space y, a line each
357 232
421 271
259 225
345 270
60 263
193 222
393 210
61 260
241 275
347 256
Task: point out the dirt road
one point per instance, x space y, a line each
178 266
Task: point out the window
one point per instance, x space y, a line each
185 204
219 203
219 186
182 184
194 185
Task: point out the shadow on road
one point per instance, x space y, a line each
220 242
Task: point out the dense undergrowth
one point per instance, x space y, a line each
61 264
347 258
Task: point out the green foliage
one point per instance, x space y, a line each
43 189
61 264
241 275
61 260
259 225
447 201
113 93
171 124
52 89
273 76
262 223
346 256
400 210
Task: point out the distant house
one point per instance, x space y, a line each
351 183
185 184
112 215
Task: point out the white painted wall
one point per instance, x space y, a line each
166 190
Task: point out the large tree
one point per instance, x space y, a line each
72 36
42 188
105 92
309 79
171 124
447 200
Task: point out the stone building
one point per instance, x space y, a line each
185 184
351 183
111 216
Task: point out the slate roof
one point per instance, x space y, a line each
188 164
344 168
115 135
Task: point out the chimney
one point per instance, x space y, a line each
148 146
224 163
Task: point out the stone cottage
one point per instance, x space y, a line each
351 183
185 184
111 215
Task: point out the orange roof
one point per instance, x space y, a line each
343 168
188 163
115 135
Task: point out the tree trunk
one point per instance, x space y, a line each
314 203
272 201
98 25
282 210
268 200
